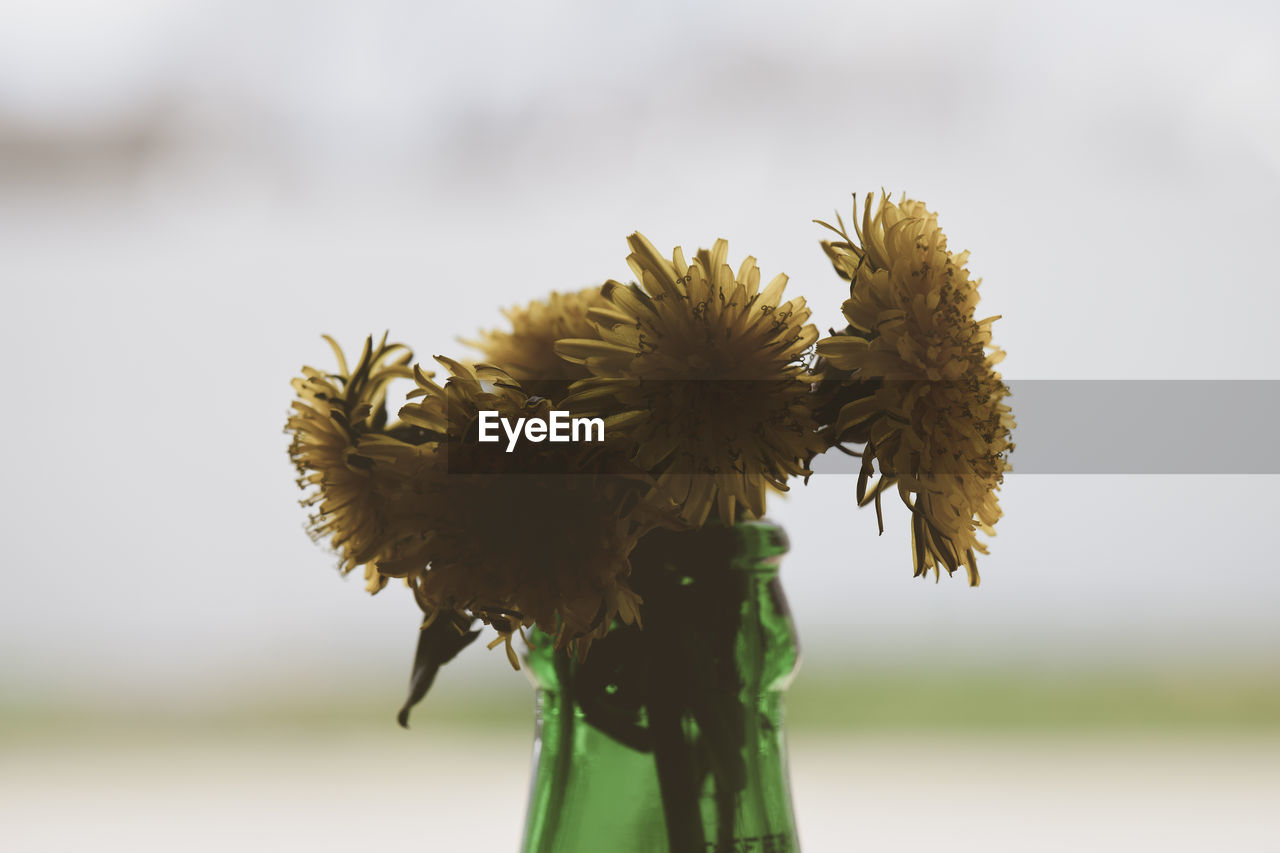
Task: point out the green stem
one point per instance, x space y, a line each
675 778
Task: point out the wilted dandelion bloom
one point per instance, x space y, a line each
337 418
710 370
527 352
540 535
921 389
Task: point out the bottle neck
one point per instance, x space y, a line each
686 712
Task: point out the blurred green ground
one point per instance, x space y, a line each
821 701
1004 761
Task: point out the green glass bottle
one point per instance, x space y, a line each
670 737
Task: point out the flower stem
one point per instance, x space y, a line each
675 776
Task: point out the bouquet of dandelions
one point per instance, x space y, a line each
703 392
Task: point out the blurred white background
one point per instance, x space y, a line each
191 193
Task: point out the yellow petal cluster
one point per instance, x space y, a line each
708 370
527 352
540 535
336 419
714 389
928 403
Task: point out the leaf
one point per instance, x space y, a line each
438 643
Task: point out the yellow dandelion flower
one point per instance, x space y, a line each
540 535
336 419
920 388
527 352
710 369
